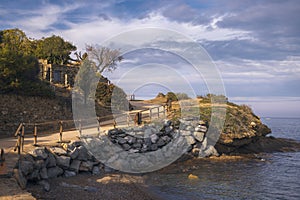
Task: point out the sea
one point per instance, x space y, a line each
273 176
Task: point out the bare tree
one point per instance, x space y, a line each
105 59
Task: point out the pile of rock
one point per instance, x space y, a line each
152 137
44 163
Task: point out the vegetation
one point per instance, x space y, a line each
93 64
19 69
54 49
103 58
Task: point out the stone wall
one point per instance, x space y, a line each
15 109
43 163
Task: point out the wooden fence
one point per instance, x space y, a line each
131 118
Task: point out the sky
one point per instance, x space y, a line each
254 44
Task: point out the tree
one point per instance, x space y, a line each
171 96
17 64
54 49
105 59
93 64
182 96
15 40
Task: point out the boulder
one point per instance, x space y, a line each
39 153
130 139
137 145
154 147
26 167
126 147
190 140
154 138
69 173
121 140
199 136
54 172
161 142
75 164
43 173
58 151
39 164
63 161
74 153
34 176
96 170
86 166
83 154
51 161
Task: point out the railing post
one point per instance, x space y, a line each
35 135
23 136
19 142
128 116
150 114
98 128
115 123
60 131
2 158
164 112
80 127
157 112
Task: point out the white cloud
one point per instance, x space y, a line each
241 70
96 30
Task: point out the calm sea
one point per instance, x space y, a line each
277 177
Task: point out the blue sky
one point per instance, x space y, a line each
255 44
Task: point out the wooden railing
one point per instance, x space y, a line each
146 115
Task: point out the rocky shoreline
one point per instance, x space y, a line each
69 160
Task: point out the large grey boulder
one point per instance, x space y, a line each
69 173
44 173
54 172
50 161
26 167
75 164
74 153
83 154
96 170
58 151
40 153
63 161
154 138
86 166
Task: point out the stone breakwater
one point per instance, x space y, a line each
152 137
151 147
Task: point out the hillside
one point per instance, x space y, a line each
242 132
